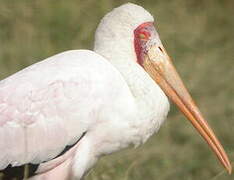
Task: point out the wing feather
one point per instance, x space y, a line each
49 105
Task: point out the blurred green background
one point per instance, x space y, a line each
198 34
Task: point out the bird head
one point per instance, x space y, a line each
132 27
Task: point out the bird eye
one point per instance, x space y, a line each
142 36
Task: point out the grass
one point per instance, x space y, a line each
198 34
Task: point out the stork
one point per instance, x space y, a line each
60 115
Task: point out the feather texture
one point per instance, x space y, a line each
43 108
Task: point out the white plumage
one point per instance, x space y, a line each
104 94
60 98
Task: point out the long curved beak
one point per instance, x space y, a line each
159 65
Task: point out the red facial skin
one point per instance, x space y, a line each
141 36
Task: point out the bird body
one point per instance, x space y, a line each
95 102
48 101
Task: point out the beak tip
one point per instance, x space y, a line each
229 169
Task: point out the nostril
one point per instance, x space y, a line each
160 49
